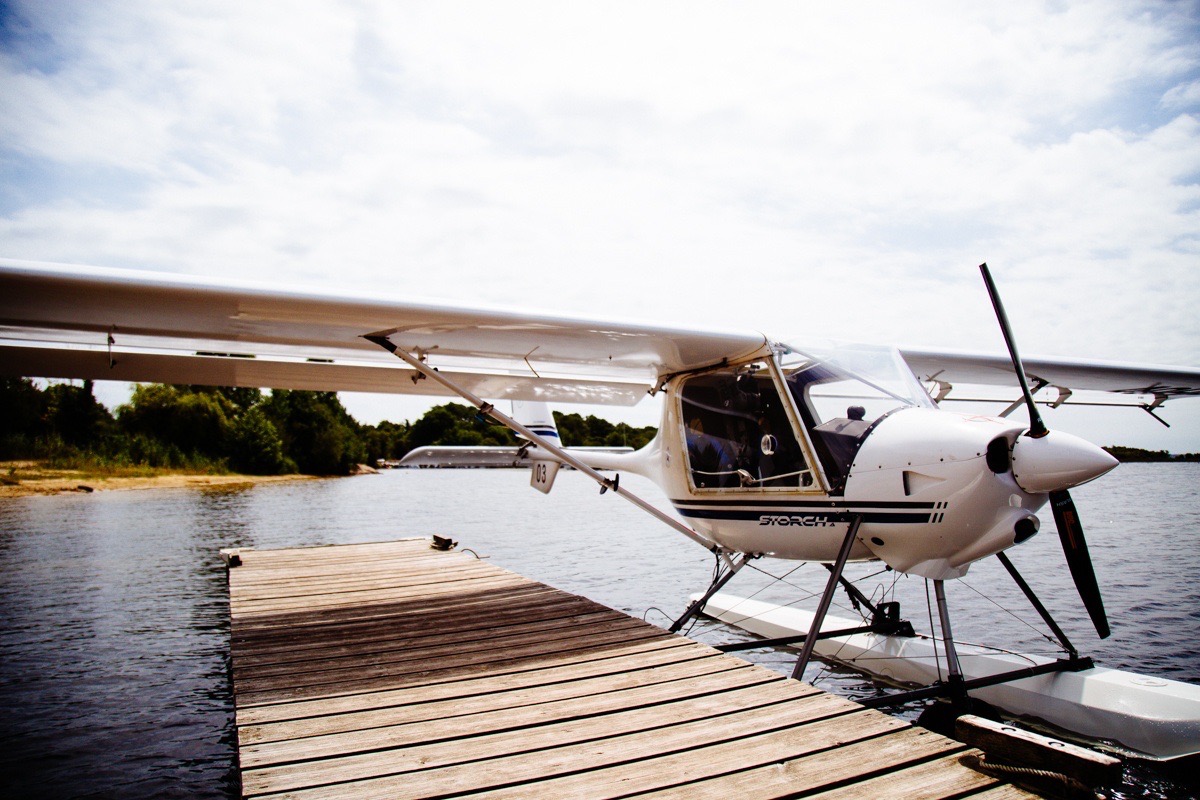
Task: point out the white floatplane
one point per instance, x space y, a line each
812 452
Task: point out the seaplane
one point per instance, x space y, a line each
820 452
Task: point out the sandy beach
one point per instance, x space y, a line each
25 478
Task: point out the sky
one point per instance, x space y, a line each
803 169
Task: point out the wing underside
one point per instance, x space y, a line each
947 369
60 321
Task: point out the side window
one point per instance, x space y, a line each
738 434
839 410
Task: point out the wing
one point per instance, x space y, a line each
950 368
60 321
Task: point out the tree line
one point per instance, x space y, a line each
248 431
1136 454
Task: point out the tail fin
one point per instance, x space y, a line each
537 417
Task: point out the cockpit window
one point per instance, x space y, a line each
738 433
841 391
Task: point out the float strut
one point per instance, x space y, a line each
835 574
718 582
856 596
958 691
1037 605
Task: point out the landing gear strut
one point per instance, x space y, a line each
732 567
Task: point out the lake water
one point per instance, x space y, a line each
114 633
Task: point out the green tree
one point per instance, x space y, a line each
318 434
388 440
75 415
196 422
592 431
242 398
22 417
571 429
457 424
255 446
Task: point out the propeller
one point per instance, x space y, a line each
1070 531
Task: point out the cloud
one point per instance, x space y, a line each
792 167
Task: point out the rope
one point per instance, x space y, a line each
1074 788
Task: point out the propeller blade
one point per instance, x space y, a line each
1037 428
1070 532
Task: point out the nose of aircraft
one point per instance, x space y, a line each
1057 461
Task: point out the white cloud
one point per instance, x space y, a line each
712 163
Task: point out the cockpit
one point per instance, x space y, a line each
738 432
742 432
842 391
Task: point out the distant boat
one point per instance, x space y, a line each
477 457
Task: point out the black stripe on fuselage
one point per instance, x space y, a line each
895 512
806 504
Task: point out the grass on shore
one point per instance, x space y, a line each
13 473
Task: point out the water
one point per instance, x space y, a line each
114 618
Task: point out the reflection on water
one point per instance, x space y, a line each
114 639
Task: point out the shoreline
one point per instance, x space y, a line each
54 482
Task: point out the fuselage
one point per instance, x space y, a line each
777 456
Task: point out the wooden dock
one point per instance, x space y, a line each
394 670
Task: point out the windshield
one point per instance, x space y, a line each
841 390
830 377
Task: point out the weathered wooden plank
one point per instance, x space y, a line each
433 687
318 557
436 630
443 612
353 603
1004 791
510 641
841 767
700 695
1008 744
383 636
465 665
315 559
391 546
474 649
614 765
391 574
932 780
258 573
489 696
395 573
475 598
520 756
433 583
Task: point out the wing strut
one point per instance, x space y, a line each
567 458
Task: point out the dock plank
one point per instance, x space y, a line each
664 701
461 702
390 669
